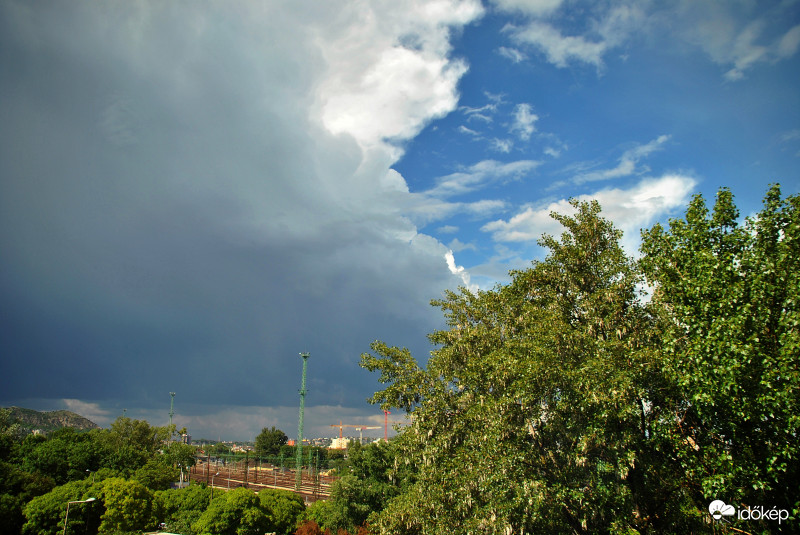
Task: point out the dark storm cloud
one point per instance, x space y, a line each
171 217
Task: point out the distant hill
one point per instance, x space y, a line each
31 420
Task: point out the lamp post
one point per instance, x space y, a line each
66 516
212 487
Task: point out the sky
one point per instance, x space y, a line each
192 194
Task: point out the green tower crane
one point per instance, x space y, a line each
299 446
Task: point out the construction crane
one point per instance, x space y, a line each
386 423
361 428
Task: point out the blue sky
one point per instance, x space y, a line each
192 195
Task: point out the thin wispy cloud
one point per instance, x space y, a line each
479 175
628 163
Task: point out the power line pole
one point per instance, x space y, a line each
299 446
171 412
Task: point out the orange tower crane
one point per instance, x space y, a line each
386 423
361 428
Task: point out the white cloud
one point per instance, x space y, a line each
524 121
530 7
479 175
501 145
628 162
789 43
629 209
737 35
458 270
733 35
483 113
447 229
483 207
558 48
790 135
511 53
457 245
375 88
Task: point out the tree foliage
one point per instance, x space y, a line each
729 297
285 508
179 509
128 505
269 442
529 416
565 402
45 514
237 512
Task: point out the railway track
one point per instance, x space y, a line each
313 487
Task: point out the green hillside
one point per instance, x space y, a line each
31 420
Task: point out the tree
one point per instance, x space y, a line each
10 434
368 481
17 488
237 512
535 412
177 453
132 442
157 473
269 442
128 506
44 515
65 455
285 509
728 296
180 508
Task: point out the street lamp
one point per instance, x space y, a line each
212 487
70 503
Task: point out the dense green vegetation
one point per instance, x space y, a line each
128 470
594 393
569 401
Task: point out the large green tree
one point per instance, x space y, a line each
132 443
237 512
534 413
180 508
129 506
269 442
45 514
285 508
566 402
728 295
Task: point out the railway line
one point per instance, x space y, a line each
257 476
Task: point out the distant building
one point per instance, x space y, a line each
340 443
186 438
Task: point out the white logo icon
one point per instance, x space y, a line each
718 509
